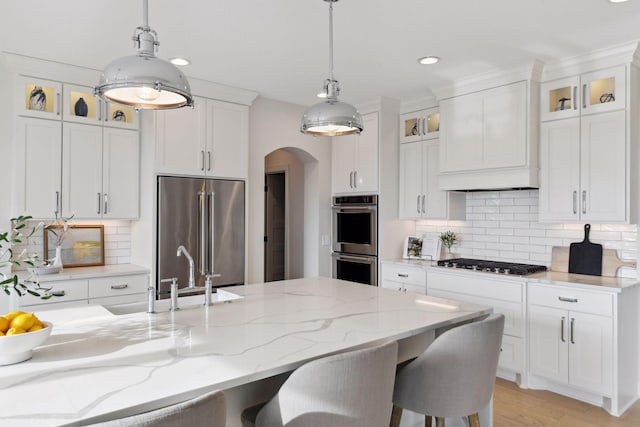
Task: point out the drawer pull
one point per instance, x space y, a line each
403 275
119 286
58 293
568 299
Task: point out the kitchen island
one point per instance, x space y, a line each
97 365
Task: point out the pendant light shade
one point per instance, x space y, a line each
331 117
143 80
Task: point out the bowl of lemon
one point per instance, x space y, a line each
20 333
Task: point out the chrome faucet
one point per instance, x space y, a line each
192 280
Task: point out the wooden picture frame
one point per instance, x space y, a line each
81 246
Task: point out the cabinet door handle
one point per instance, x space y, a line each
575 202
351 179
584 201
403 275
58 103
575 98
424 130
418 203
355 179
424 203
562 330
98 210
571 333
59 293
209 158
123 286
568 299
106 203
99 110
584 95
57 209
202 158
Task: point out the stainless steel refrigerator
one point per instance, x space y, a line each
207 217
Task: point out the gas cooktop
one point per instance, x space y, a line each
492 266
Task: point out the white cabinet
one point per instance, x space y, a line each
583 169
100 172
210 139
118 289
404 278
39 98
419 125
571 333
80 105
38 168
355 159
505 295
590 93
487 139
419 193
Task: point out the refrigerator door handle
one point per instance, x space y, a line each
203 236
211 268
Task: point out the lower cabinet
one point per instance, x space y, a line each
571 338
505 295
108 290
404 278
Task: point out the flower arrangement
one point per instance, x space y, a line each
19 233
448 238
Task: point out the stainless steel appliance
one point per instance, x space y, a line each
355 238
207 217
492 266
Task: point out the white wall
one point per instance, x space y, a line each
274 125
503 225
286 161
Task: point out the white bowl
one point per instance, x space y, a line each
17 348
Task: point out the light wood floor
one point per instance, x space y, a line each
513 406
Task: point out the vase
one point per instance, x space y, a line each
57 261
81 108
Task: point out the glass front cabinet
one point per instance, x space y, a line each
38 98
420 125
589 93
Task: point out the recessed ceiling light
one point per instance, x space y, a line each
429 60
180 61
617 1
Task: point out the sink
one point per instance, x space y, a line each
184 303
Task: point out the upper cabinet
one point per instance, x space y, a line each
38 98
355 159
589 93
419 125
210 139
584 172
488 139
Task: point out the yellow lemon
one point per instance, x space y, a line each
4 324
38 322
12 314
15 331
23 321
35 328
1 334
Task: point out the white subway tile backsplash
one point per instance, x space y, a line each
503 225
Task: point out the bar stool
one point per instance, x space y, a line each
455 375
348 389
208 410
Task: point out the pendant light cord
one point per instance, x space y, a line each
330 40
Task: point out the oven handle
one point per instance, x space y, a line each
353 208
362 258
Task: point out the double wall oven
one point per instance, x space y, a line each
355 239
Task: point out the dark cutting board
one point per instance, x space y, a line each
585 257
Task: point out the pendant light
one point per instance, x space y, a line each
331 117
143 80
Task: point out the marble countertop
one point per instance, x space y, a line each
97 365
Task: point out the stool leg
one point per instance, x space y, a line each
396 414
439 422
474 420
427 421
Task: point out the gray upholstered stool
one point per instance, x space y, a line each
208 410
349 389
455 375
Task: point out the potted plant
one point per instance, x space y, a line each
448 238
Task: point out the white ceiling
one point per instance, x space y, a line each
280 48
